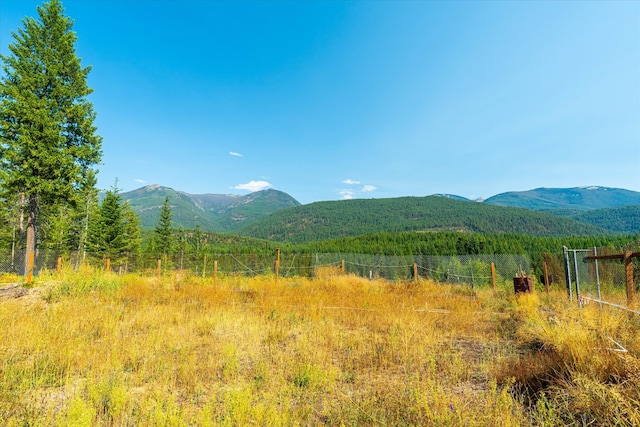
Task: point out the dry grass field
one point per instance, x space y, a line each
87 348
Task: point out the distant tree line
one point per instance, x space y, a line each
339 219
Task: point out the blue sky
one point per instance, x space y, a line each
327 100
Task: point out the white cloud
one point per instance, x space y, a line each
253 186
350 182
368 188
233 153
346 194
140 181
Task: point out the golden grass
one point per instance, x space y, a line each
576 365
6 278
102 349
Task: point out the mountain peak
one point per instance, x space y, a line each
595 187
450 196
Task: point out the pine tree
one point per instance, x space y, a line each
131 228
48 144
6 234
107 229
181 244
57 225
197 241
88 202
114 229
163 231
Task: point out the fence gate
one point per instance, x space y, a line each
581 276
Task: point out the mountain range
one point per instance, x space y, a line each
275 215
567 200
213 212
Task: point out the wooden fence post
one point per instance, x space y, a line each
628 267
343 267
415 273
31 267
204 266
627 258
59 267
159 268
277 266
215 271
107 264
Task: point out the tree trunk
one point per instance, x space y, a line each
85 233
32 215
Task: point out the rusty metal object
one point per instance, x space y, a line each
522 284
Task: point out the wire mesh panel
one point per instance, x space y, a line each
368 265
580 281
591 279
473 270
12 263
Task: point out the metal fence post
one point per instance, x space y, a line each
575 266
628 267
595 253
567 271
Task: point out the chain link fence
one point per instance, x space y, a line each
12 263
246 264
472 270
603 281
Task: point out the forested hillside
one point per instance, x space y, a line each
214 212
404 243
229 212
330 220
197 243
147 202
451 243
568 199
625 219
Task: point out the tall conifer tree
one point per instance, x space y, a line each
163 229
114 229
107 230
131 228
48 142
